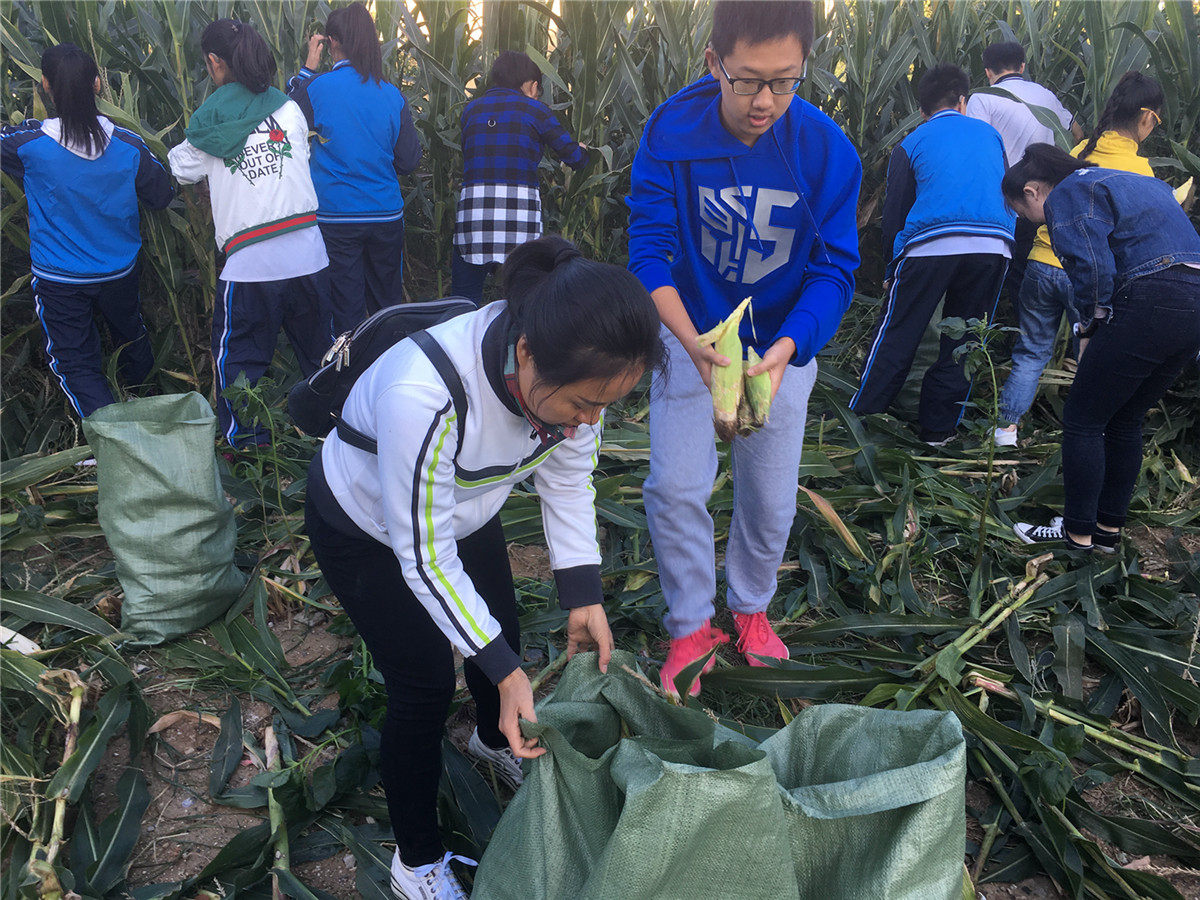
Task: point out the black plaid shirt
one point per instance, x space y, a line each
503 133
499 207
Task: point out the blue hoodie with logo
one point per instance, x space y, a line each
721 221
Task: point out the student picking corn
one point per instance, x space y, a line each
739 188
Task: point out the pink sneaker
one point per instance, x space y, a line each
685 651
757 637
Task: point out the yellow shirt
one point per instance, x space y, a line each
1113 151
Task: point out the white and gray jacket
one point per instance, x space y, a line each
417 498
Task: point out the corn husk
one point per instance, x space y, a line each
757 392
726 381
1185 194
740 404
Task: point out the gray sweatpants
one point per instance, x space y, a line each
683 467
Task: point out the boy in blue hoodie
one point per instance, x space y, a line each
948 232
740 188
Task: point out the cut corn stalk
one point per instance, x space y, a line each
740 404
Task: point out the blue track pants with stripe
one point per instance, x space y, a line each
68 316
246 320
970 283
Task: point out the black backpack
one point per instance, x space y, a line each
315 404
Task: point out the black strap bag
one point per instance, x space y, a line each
315 404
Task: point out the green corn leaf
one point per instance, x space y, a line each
1068 634
472 794
119 833
879 625
981 724
44 609
825 683
111 714
1136 836
18 474
1156 717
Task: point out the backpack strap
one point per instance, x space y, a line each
449 375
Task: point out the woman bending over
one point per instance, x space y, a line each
410 540
1133 258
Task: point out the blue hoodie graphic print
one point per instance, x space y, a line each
720 221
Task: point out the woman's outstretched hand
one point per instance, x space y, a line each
516 703
587 629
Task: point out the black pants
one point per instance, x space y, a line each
68 316
1126 369
414 657
246 320
970 283
366 265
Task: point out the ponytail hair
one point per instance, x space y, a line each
1133 93
354 29
241 48
72 75
1041 162
580 318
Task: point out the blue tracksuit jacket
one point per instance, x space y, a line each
83 213
365 137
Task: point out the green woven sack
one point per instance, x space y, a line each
641 800
164 514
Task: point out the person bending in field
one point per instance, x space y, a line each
739 188
83 178
1133 258
410 540
948 233
503 135
365 137
1012 114
1131 113
251 144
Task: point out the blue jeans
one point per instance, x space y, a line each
1045 296
1153 333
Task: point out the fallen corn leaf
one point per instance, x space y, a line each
183 715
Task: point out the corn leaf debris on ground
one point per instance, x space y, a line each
903 587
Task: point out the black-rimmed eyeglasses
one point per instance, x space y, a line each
747 87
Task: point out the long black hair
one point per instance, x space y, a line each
241 48
1134 93
580 318
72 75
354 29
1041 162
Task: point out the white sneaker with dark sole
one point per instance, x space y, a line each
503 764
1004 438
432 882
1041 534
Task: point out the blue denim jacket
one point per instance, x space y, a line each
1110 227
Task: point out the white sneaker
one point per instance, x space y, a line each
1041 534
504 765
432 882
1005 438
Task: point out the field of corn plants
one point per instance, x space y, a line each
903 586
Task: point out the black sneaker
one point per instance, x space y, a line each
1106 541
1041 534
